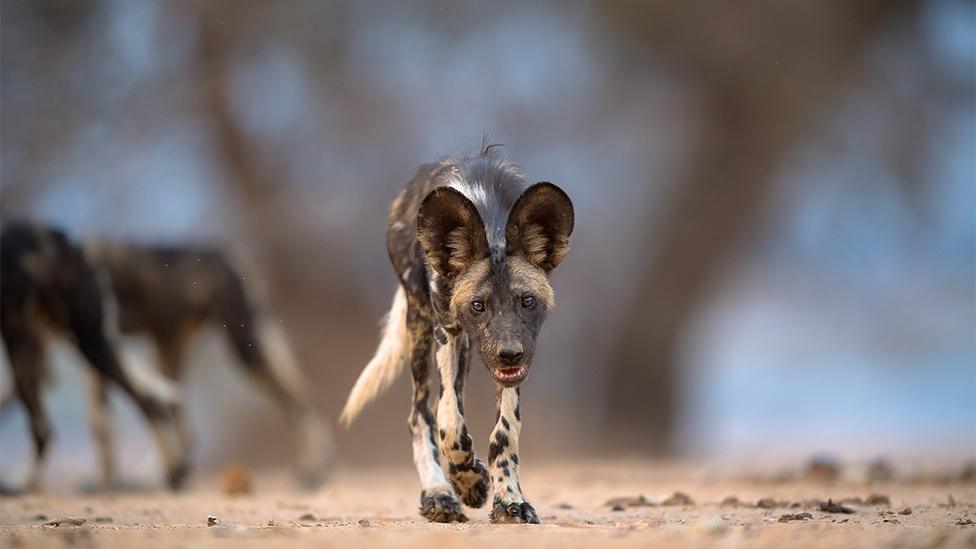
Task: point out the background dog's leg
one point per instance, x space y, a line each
155 398
91 319
100 419
170 352
264 352
468 474
503 462
26 352
438 501
262 349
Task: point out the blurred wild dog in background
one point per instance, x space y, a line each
50 288
169 294
472 245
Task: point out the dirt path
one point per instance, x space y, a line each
378 508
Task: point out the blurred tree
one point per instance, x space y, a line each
373 79
764 70
47 36
262 184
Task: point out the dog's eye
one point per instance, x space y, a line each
478 306
528 301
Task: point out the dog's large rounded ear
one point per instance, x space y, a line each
450 231
539 226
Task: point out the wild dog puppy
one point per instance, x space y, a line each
473 246
49 287
169 294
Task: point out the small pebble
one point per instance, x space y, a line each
73 521
766 503
877 499
628 501
831 507
235 481
789 517
212 520
678 498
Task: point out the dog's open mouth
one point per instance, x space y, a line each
511 375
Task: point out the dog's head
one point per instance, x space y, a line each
500 298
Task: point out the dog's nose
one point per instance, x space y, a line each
511 355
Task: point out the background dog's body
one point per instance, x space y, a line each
49 287
170 293
472 245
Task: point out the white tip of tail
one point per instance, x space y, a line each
146 380
389 359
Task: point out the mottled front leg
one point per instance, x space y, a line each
503 462
438 502
467 472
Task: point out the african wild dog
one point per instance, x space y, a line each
48 287
473 247
169 293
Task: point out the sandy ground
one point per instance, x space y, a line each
362 508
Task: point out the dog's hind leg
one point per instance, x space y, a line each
438 501
263 350
9 397
157 402
467 472
265 354
91 319
170 352
100 420
503 462
25 349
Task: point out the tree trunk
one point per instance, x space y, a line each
761 92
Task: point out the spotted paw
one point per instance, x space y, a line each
441 507
513 513
470 481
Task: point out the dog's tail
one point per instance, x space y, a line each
389 359
147 380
